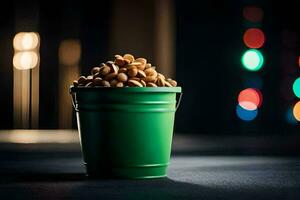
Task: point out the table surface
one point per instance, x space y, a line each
32 168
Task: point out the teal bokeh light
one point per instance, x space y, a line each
296 87
252 60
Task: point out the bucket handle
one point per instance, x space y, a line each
179 100
73 97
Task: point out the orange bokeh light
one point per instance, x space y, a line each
296 111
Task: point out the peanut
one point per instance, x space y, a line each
97 81
161 75
150 72
135 78
125 71
122 77
141 74
160 82
95 70
151 85
113 82
119 60
134 83
143 62
110 76
143 83
75 83
172 82
132 72
120 84
105 83
129 57
148 65
81 80
104 70
149 79
168 84
113 67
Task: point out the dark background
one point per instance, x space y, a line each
209 46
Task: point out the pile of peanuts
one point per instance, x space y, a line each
125 71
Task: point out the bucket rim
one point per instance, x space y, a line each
126 89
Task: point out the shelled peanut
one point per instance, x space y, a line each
125 71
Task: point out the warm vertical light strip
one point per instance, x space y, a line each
138 39
35 93
35 89
25 88
164 50
26 79
69 56
17 97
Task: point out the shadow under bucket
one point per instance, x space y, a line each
126 132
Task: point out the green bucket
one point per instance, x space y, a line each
126 132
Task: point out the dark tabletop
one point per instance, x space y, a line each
49 170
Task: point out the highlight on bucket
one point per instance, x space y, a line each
125 115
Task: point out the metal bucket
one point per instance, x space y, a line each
126 132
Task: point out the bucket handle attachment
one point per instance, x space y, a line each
179 100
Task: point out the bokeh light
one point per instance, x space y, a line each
253 14
69 52
252 60
26 41
246 115
296 111
254 38
296 87
25 60
250 99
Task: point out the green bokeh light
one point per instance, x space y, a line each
296 87
252 60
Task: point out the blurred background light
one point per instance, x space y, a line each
246 115
25 60
69 52
250 99
296 87
252 60
254 38
289 116
296 111
26 41
253 13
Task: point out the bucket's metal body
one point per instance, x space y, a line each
125 132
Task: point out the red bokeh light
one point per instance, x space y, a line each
253 14
250 99
254 38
